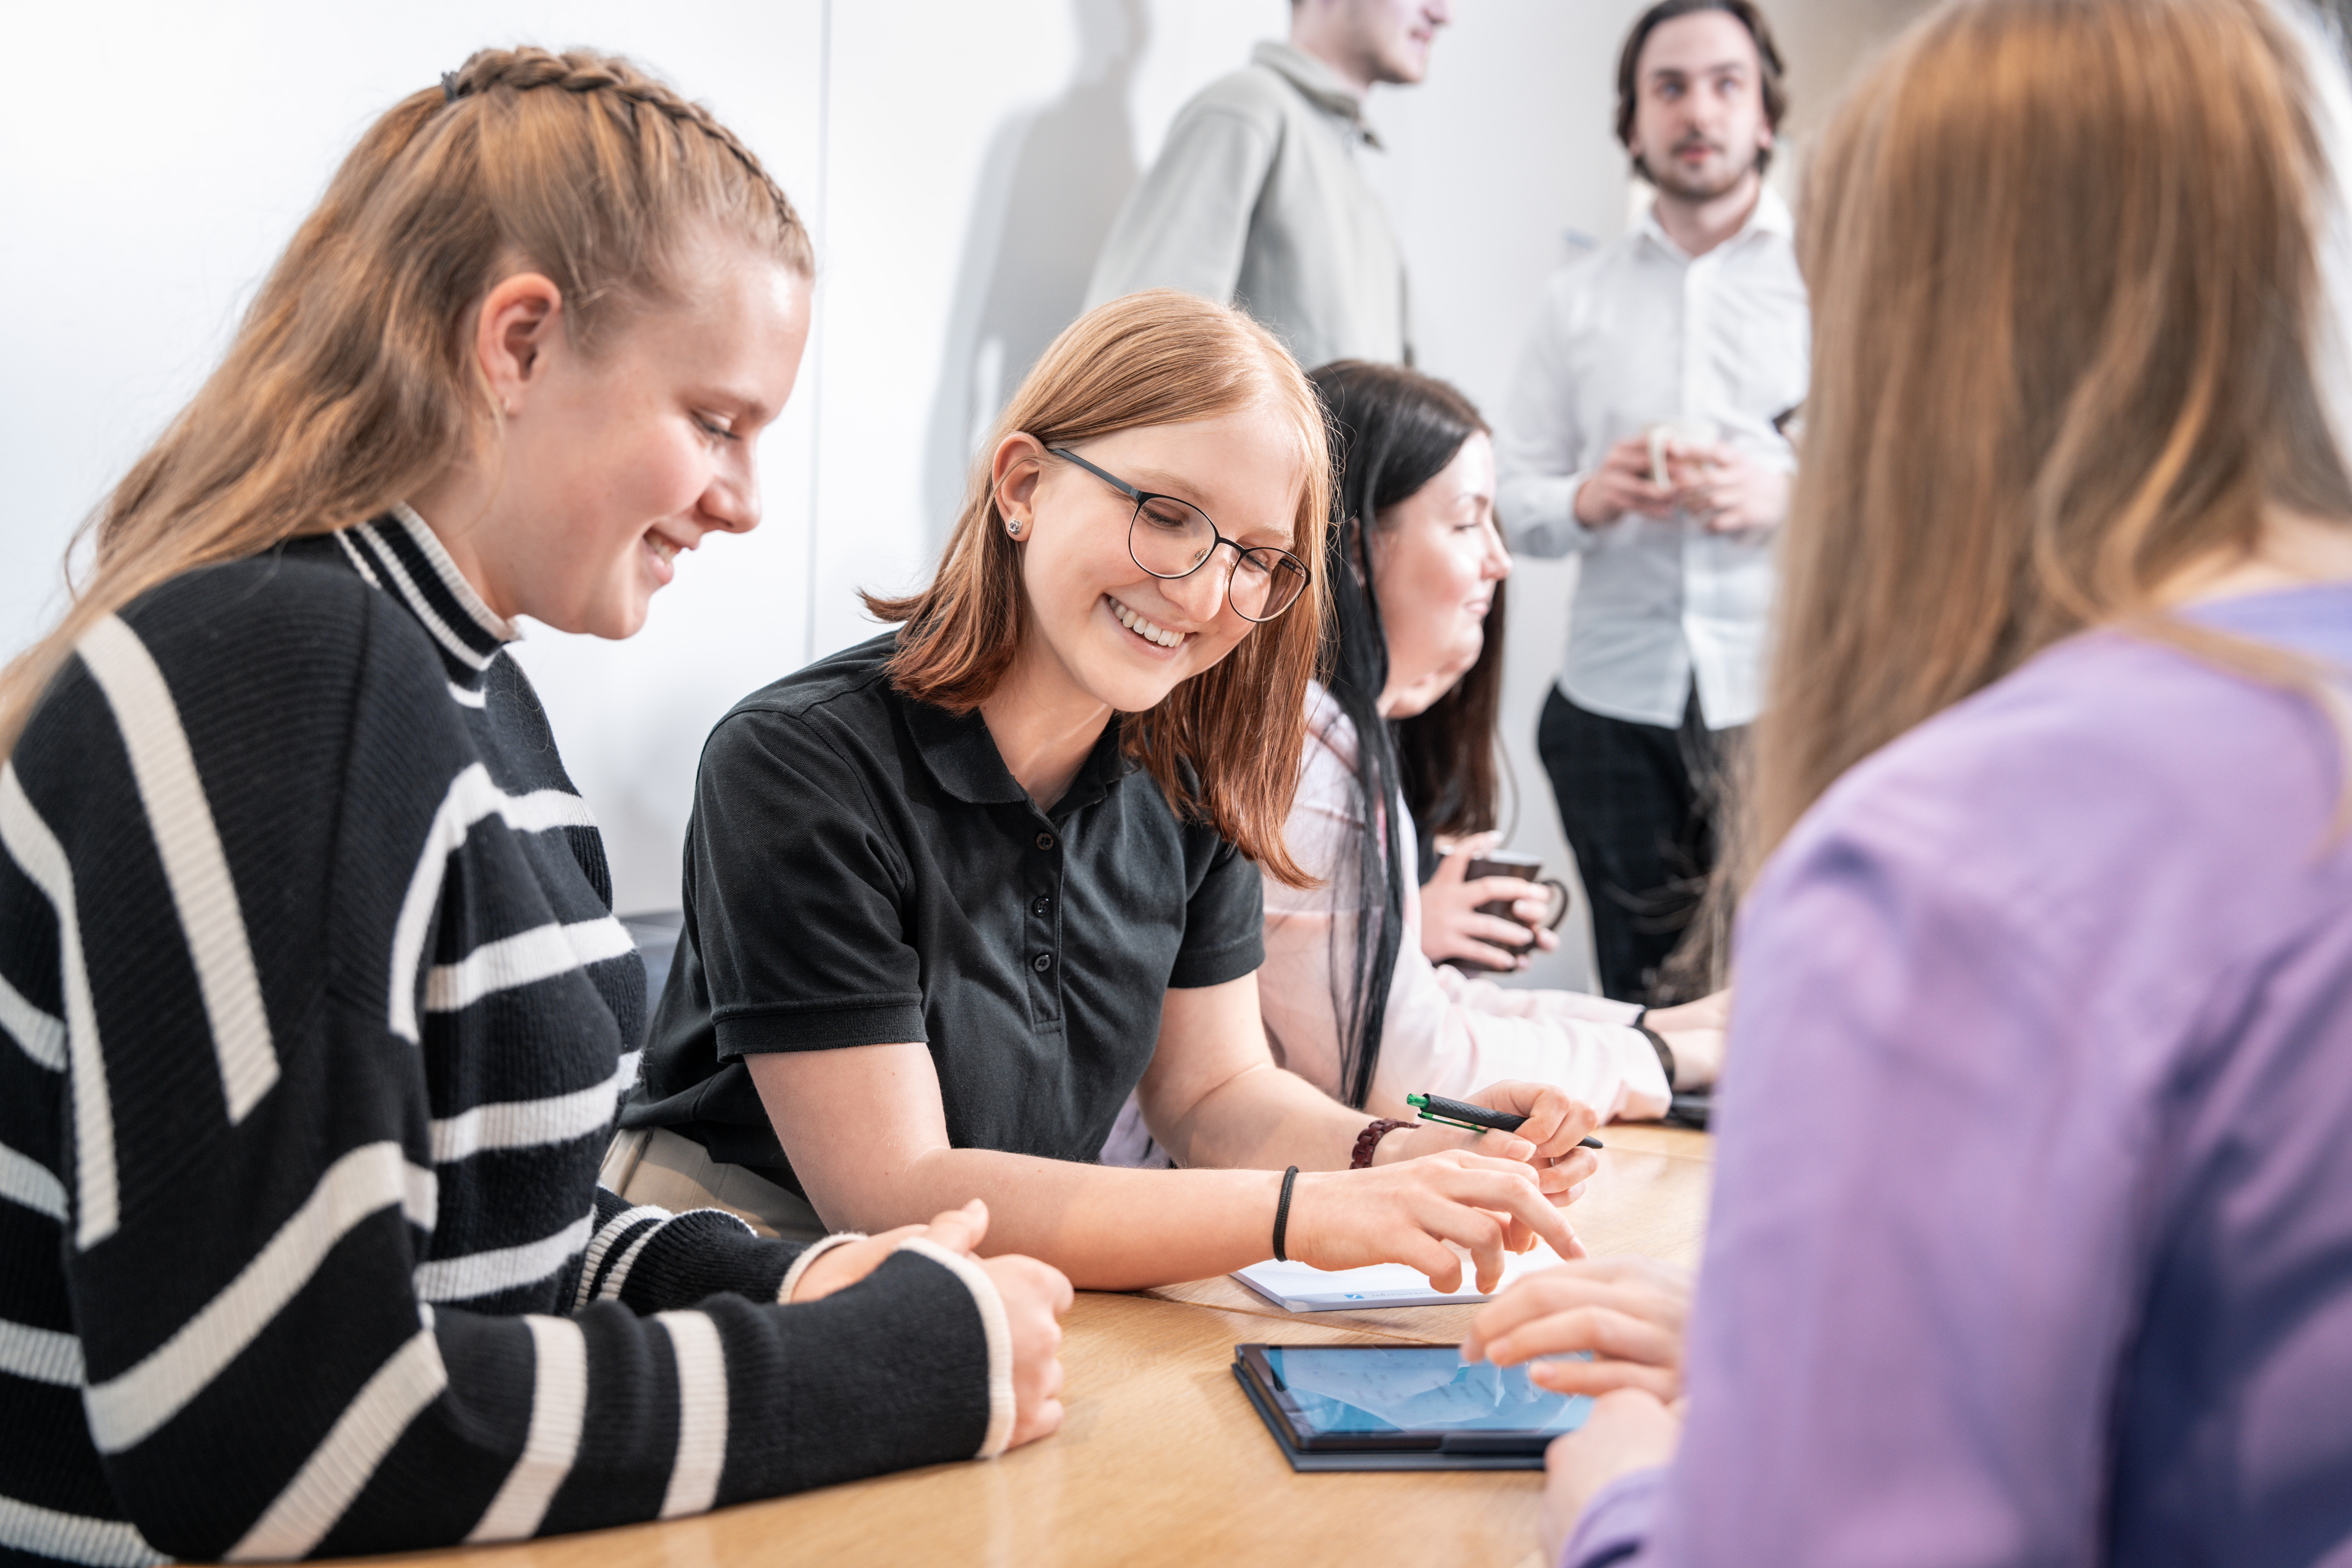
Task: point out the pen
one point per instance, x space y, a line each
1476 1118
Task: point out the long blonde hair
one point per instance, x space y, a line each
2064 257
1224 745
351 381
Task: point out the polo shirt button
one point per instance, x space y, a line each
1043 906
1041 962
1044 841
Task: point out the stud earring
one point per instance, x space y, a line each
1012 527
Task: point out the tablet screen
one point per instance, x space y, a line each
1367 1390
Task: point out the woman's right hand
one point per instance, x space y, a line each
1411 1211
1626 1313
1035 1295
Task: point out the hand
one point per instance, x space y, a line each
1695 1032
1624 483
1452 927
1428 1212
1628 1430
1550 1139
1729 491
1035 1295
958 1230
1626 1311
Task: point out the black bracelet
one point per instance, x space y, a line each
1658 1044
1281 1215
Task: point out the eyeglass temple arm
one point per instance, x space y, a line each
1113 481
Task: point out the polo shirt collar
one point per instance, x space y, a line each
962 757
400 553
1317 83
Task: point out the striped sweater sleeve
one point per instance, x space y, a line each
222 1183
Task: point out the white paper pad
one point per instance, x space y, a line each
1299 1287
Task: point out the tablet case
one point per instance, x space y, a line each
1372 1458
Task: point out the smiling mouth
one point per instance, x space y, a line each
662 547
1143 628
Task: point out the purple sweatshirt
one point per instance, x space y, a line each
2032 1239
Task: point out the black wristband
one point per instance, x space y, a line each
1658 1044
1281 1215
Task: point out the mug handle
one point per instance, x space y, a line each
1560 906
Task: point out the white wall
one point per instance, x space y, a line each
957 163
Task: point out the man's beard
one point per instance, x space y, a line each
1674 183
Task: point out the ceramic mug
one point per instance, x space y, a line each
1508 863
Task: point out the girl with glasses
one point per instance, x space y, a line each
954 894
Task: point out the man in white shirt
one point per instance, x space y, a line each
1256 201
1644 432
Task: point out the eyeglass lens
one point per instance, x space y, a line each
1169 538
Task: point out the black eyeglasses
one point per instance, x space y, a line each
1171 538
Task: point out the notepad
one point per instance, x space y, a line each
1301 1288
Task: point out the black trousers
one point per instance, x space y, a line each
1639 803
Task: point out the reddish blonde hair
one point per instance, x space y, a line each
2065 256
1226 744
351 381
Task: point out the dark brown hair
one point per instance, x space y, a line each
2065 256
1448 762
1770 70
1395 430
351 382
1225 743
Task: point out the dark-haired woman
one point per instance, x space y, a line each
1350 1000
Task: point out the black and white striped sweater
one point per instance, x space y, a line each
314 1014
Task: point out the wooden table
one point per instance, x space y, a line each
1162 1459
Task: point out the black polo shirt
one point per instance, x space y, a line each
863 869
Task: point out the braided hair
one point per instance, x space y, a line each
628 93
351 381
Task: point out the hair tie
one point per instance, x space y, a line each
449 93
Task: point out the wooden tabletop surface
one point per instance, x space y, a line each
1162 1459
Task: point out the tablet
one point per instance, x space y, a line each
1403 1399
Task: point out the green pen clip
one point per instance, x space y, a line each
1421 1102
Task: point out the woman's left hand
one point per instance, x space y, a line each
1550 1139
1695 1032
1628 1430
1452 927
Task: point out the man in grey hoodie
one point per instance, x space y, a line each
1256 199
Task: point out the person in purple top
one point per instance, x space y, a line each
2032 1236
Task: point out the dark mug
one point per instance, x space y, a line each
1508 863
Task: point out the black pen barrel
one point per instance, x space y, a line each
1476 1115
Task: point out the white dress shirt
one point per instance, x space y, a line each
1640 335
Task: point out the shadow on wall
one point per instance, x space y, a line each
1050 185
